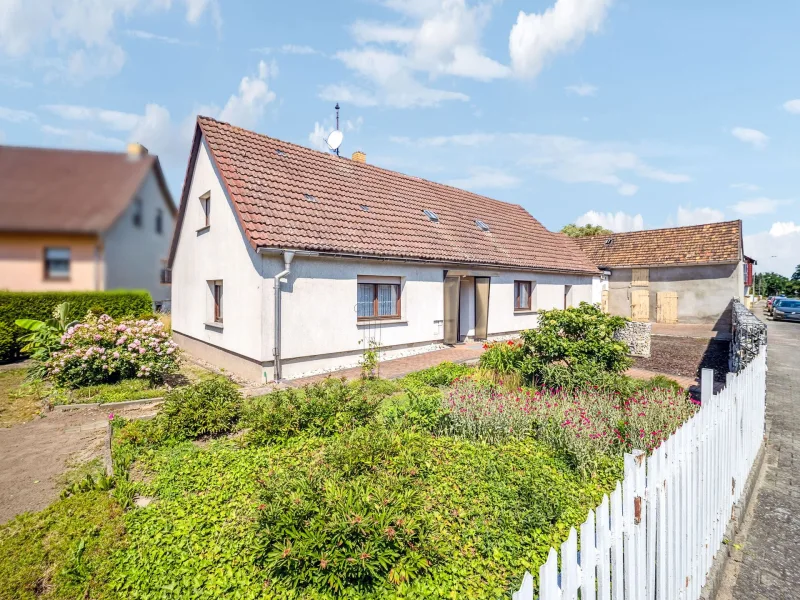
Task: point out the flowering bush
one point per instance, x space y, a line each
503 357
584 425
101 350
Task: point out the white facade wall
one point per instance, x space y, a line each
134 256
217 253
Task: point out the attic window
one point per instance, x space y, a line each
309 197
431 215
364 207
281 153
482 226
609 241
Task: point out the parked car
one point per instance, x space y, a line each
770 301
786 309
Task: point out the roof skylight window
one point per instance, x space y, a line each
609 241
281 153
481 225
309 197
431 215
364 207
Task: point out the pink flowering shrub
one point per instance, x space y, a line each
102 350
585 425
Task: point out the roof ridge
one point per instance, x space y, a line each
367 165
73 150
606 235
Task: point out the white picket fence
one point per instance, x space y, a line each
656 536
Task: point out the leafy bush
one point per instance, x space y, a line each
576 337
442 374
419 408
585 376
320 409
40 305
503 357
9 347
210 407
100 350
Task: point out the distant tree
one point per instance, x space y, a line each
796 276
771 284
584 231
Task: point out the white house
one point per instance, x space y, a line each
287 261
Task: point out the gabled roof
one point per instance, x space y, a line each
698 244
291 197
69 191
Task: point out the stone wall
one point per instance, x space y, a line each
637 336
748 334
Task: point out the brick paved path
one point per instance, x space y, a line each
767 565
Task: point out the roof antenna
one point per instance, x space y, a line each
336 138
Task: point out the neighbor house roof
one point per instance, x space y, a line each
698 244
291 197
69 191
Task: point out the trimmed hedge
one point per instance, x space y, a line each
40 305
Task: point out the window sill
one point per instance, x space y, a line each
525 311
57 279
366 322
214 325
202 230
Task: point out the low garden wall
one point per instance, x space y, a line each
637 336
748 335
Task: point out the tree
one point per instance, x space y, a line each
796 276
772 284
584 231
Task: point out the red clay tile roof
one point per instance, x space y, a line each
698 244
268 182
70 191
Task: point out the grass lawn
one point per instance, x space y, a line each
364 490
18 403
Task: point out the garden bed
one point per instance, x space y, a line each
686 357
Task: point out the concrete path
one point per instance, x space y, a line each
766 565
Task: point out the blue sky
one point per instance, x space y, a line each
628 114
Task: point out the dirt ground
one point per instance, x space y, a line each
686 356
35 455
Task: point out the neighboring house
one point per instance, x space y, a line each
749 275
287 261
75 220
680 274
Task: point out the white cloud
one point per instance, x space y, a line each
246 107
146 35
84 137
616 222
776 249
14 115
567 159
296 49
484 178
582 89
80 32
748 187
536 38
698 216
753 137
113 119
792 106
759 206
781 229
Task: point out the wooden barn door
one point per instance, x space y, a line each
640 305
452 303
667 307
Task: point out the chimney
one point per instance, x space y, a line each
359 156
136 151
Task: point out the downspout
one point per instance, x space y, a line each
288 255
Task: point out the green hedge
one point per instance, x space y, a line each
40 305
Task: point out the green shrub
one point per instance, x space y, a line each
662 382
576 337
40 305
503 358
443 374
321 409
585 376
210 407
419 408
8 343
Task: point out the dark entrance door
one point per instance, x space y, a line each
452 299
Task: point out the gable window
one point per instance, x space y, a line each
378 301
137 212
159 221
217 302
522 295
56 263
205 204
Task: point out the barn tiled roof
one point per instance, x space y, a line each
71 191
698 244
288 196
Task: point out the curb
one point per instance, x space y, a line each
65 407
720 562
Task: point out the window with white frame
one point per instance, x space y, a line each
205 205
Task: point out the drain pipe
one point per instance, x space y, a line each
288 255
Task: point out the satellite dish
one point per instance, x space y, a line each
335 140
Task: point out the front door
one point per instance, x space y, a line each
640 305
452 300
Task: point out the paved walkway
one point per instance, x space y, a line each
766 566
